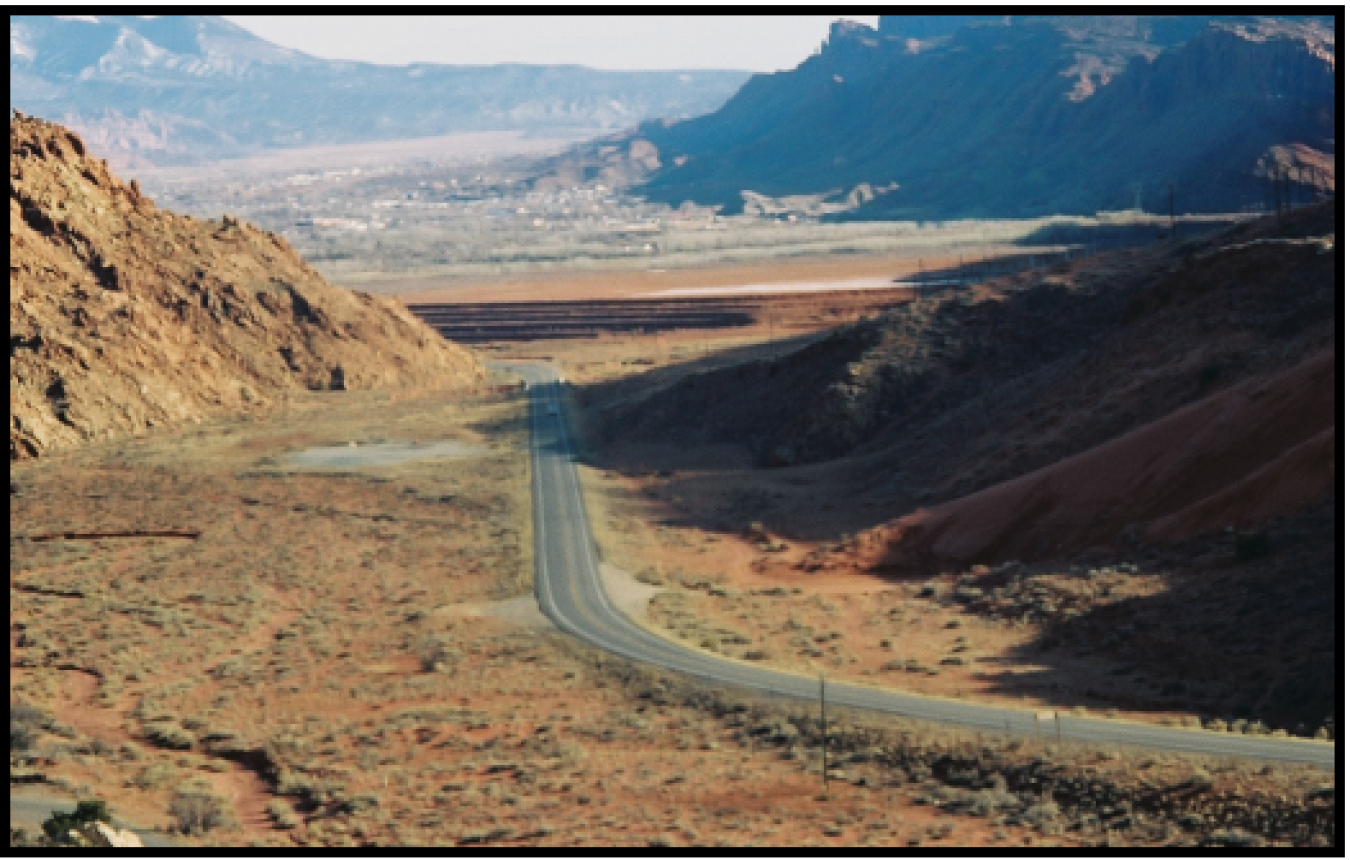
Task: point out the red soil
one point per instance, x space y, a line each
1255 451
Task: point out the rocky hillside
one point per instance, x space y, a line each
183 87
937 117
950 395
1236 459
123 317
1164 415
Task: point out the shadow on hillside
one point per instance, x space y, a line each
717 484
1230 638
983 267
841 474
1104 237
849 428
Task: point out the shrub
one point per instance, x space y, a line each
62 730
58 826
989 801
1045 817
196 811
155 775
968 594
170 735
25 726
434 654
284 816
1235 839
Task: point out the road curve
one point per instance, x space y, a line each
570 593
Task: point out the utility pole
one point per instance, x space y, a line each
824 747
1172 208
1279 202
986 267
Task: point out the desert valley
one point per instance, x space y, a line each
601 479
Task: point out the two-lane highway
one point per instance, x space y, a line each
571 594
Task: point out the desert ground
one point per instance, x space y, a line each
577 286
745 558
349 655
740 592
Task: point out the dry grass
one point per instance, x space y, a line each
922 637
317 660
689 524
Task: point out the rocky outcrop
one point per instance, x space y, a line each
123 317
925 27
1019 117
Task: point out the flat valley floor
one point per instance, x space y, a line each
346 655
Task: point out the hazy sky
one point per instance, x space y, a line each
756 43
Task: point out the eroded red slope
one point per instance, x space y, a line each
1255 451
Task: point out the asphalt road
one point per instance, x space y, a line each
570 593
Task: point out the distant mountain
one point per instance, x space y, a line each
180 87
972 116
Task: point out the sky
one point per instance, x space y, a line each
762 43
